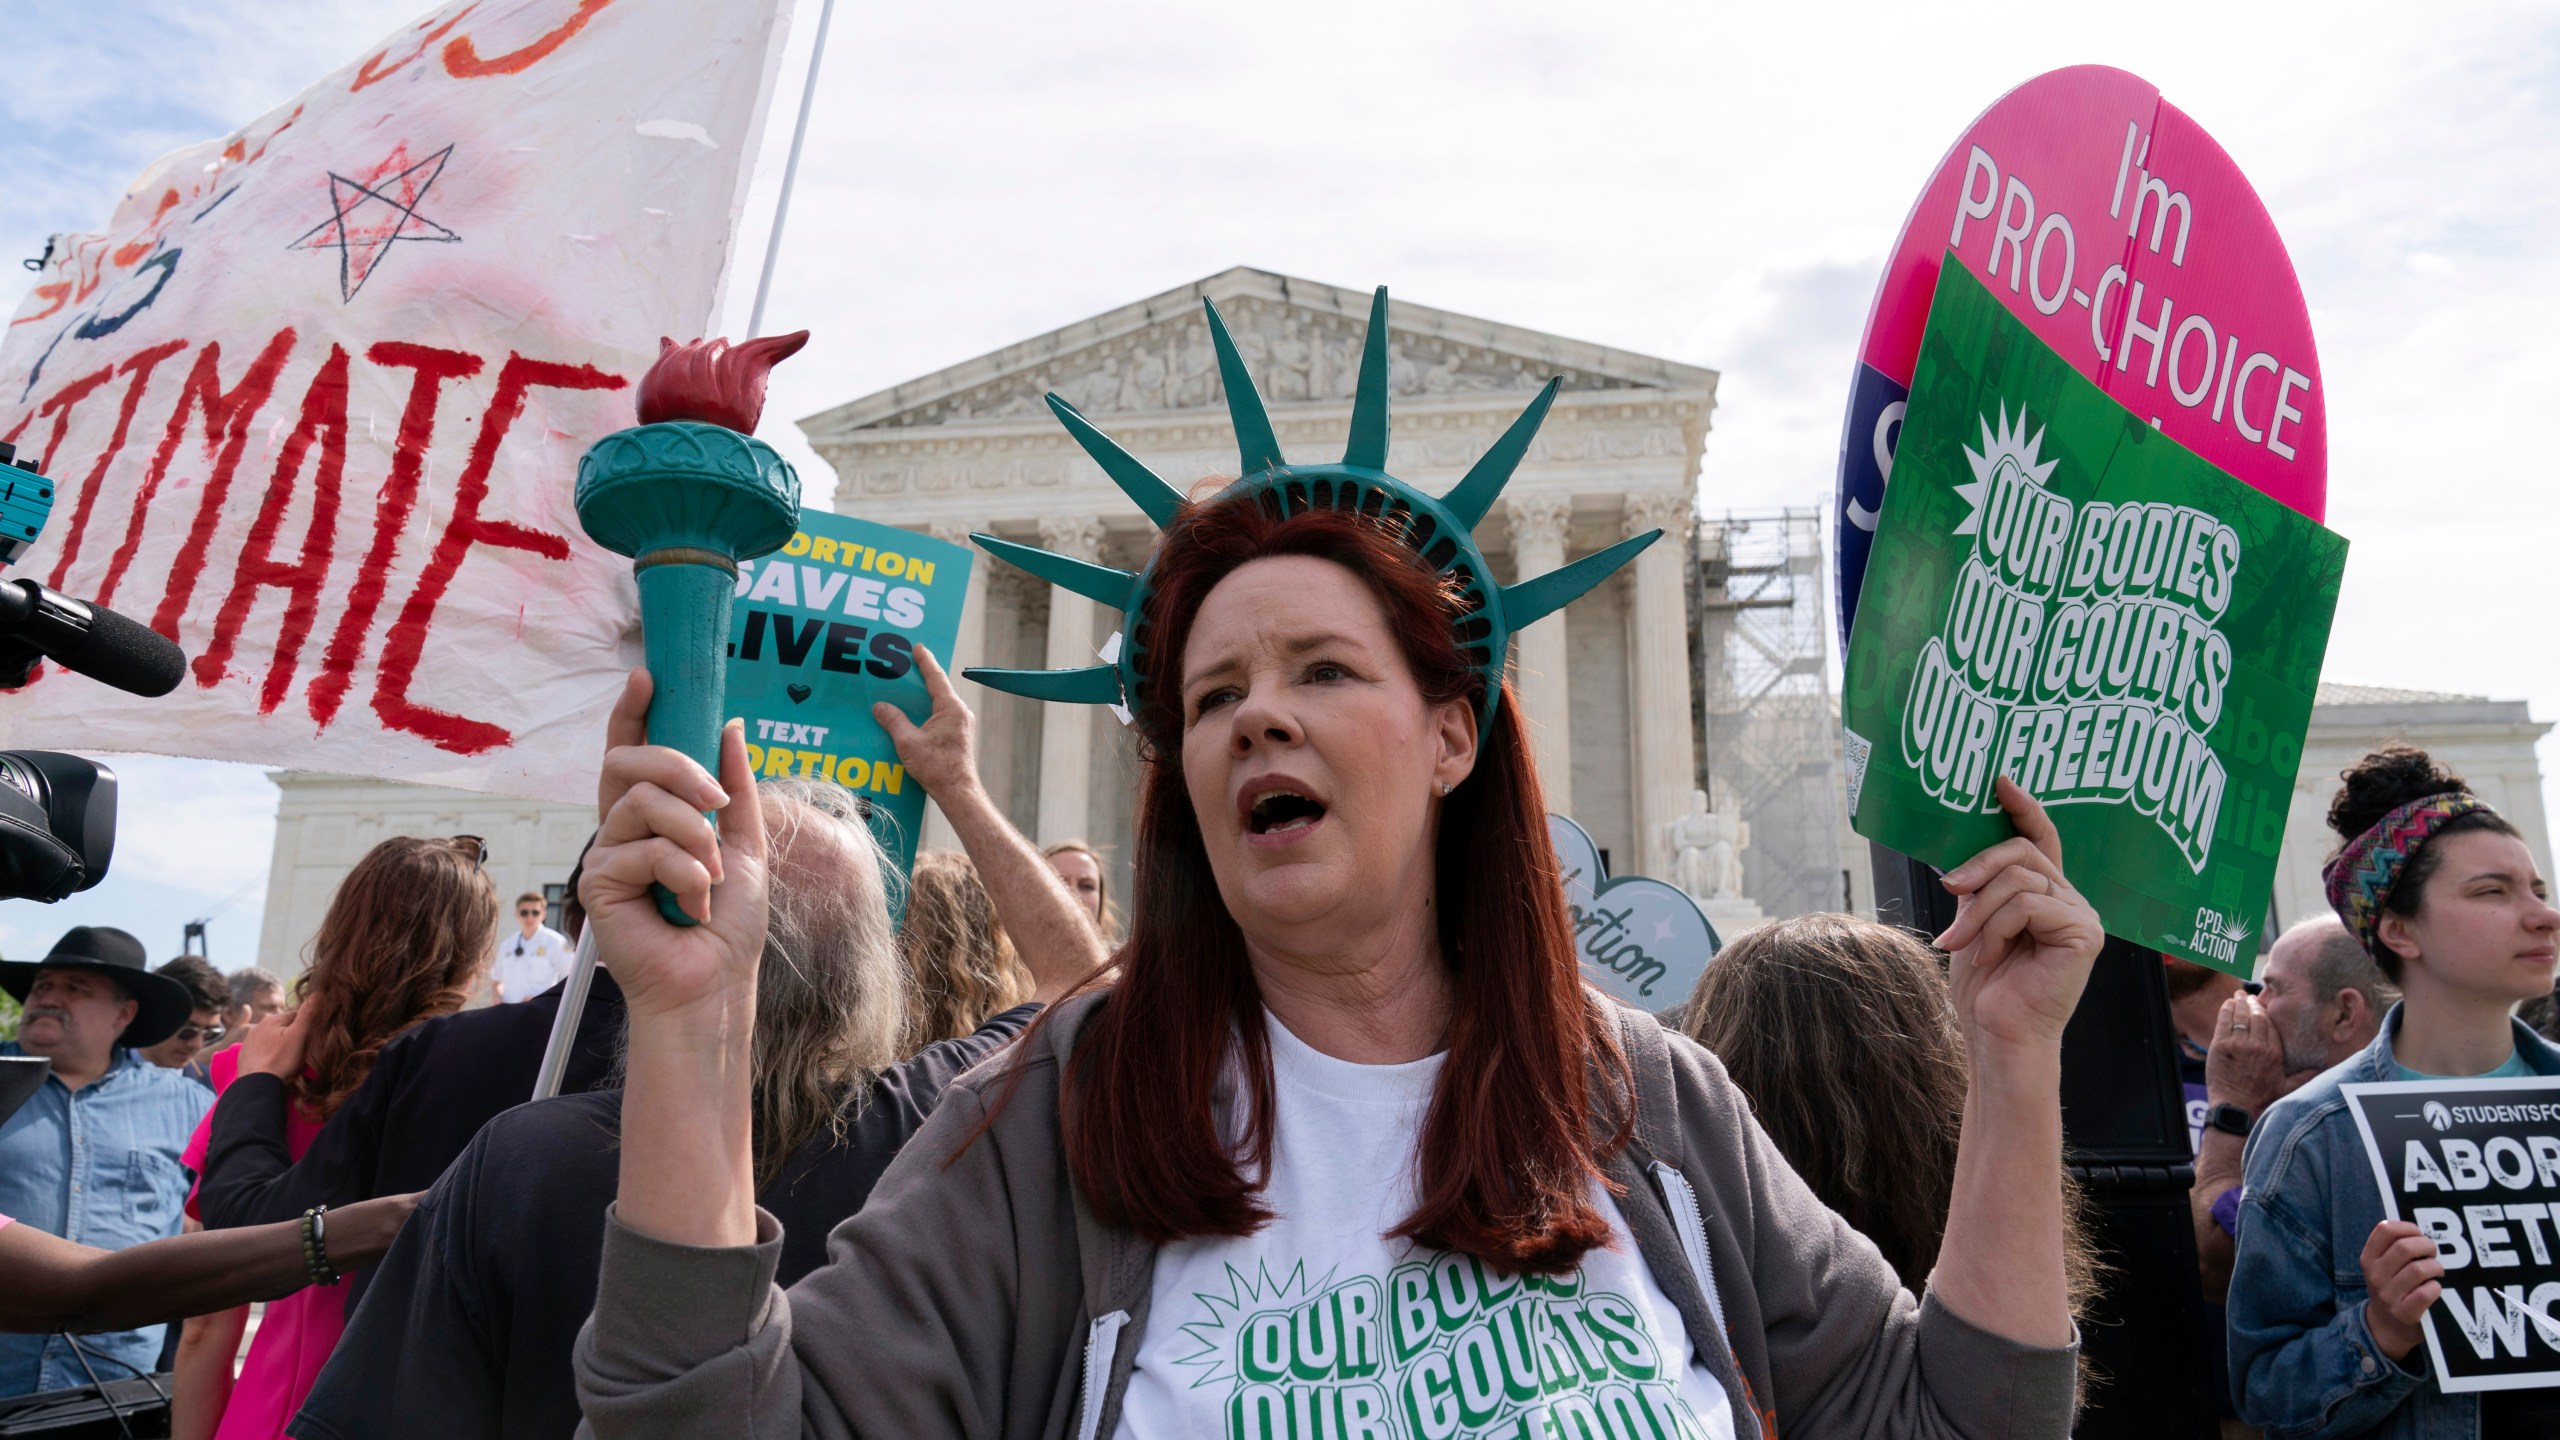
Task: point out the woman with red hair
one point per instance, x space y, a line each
1344 1148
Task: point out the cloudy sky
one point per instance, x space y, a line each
1714 183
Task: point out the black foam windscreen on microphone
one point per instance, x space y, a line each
91 639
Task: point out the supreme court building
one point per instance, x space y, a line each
1606 684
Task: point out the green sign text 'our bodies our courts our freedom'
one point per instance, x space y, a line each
2061 594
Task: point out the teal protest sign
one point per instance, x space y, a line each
2062 594
823 628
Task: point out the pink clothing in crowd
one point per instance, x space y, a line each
299 1331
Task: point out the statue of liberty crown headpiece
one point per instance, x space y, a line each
1440 531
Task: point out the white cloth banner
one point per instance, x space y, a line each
314 400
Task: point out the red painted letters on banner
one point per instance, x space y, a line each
315 396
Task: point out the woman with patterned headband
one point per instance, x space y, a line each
1346 1148
2446 895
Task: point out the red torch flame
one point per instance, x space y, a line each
709 382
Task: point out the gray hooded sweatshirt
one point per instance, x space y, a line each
976 1296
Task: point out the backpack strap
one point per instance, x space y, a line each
1118 1267
1648 1052
1669 1202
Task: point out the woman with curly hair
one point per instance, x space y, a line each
2325 1293
961 968
407 937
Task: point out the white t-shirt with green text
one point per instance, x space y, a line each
1319 1328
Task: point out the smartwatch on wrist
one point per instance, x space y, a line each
2228 1118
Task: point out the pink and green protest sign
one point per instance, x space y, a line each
2064 594
2110 226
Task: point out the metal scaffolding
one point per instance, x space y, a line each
1768 725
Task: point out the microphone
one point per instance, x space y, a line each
36 623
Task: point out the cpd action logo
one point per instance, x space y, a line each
2436 1115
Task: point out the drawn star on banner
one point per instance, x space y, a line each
371 212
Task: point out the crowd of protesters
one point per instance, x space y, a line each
1312 1064
965 1151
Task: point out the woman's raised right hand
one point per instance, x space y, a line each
651 830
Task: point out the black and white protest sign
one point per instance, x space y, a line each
2476 1165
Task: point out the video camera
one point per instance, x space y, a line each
57 824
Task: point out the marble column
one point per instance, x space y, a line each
1538 527
1005 756
968 648
1066 731
1665 768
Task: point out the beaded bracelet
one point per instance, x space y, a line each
315 1245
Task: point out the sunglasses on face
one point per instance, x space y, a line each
531 913
209 1034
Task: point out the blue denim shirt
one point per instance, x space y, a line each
98 1165
2303 1362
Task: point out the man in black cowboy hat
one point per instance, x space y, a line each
93 1156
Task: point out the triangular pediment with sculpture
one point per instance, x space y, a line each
1300 340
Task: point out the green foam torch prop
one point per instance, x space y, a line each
687 494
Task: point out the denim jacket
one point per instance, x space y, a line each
2303 1362
98 1165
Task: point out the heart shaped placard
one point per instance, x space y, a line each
1643 940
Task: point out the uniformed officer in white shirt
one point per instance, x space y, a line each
536 957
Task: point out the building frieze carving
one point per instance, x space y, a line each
1293 355
901 462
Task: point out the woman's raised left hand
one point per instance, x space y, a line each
2023 940
942 753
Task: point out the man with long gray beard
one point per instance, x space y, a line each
469 1324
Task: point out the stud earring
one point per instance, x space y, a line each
1444 789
